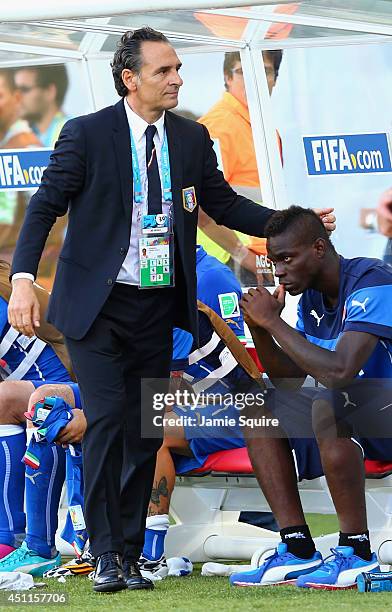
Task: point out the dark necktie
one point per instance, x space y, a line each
154 197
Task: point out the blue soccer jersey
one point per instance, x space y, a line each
364 305
24 358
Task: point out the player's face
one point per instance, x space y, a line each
157 85
296 263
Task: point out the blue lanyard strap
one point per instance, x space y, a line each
165 170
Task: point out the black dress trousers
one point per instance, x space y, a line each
131 339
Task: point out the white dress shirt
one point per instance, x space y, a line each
129 272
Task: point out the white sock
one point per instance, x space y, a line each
159 522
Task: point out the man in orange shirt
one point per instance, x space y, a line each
229 124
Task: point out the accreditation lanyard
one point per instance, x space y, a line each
165 170
156 243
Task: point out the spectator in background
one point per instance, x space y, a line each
228 123
380 219
384 219
42 90
15 133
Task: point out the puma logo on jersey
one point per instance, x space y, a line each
32 476
315 315
360 304
347 400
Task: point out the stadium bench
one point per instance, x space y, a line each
206 504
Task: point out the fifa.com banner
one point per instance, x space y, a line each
22 169
347 154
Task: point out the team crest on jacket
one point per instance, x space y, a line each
189 201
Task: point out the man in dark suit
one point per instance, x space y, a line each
117 333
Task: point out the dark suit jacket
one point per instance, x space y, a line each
90 174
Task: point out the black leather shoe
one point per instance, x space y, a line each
109 576
134 578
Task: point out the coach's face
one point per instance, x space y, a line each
297 264
155 88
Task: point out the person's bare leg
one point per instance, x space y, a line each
157 522
58 390
14 401
343 466
273 465
165 474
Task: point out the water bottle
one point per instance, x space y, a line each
374 582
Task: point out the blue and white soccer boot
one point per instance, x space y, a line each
156 569
339 570
280 568
27 561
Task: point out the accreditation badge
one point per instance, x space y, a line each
156 252
189 200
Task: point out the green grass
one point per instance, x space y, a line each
320 524
196 593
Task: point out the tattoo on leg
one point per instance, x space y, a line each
159 490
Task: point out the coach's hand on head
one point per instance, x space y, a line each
261 308
327 217
384 213
23 307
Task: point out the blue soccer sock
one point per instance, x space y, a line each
12 516
43 491
154 536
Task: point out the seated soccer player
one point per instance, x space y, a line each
210 368
31 548
43 494
343 340
25 364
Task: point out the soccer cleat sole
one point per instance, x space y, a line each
328 587
35 569
265 584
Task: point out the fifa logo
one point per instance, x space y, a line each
347 154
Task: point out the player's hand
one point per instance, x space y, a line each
280 295
73 432
23 307
327 217
384 213
260 308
